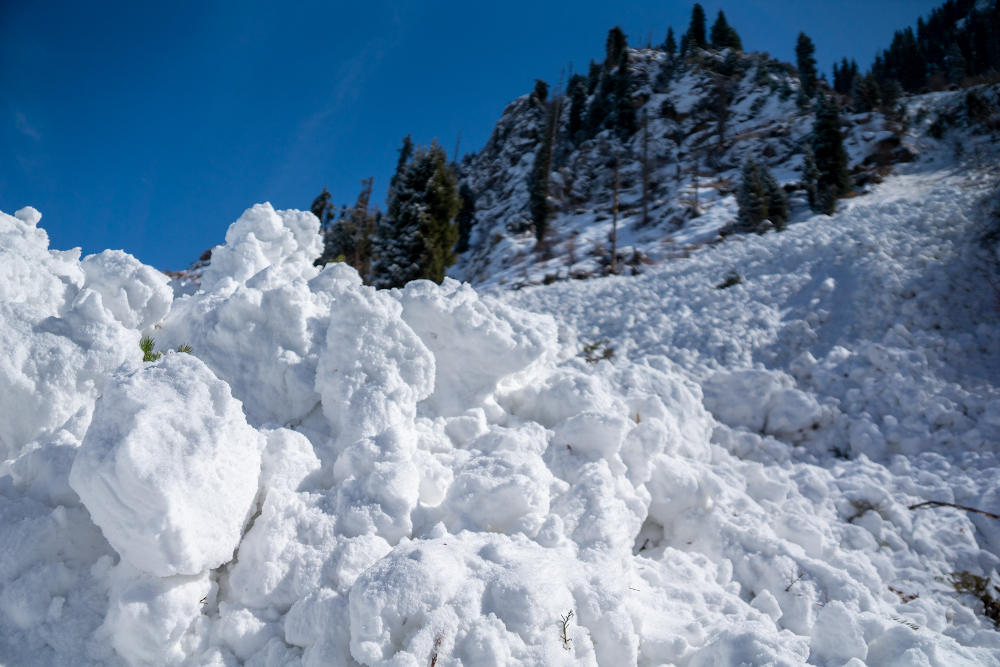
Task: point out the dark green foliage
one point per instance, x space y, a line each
602 106
696 35
810 177
806 62
417 235
723 35
827 142
184 348
577 90
685 48
956 64
843 76
350 237
865 93
670 46
593 77
405 153
541 91
466 217
146 345
322 209
538 190
902 61
760 198
616 43
624 106
889 91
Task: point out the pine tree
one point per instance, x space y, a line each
616 43
956 63
538 190
723 35
696 31
831 159
593 77
624 106
670 46
577 90
760 198
350 237
810 177
321 208
804 50
466 217
865 93
843 76
417 235
601 106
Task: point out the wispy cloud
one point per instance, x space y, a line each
24 127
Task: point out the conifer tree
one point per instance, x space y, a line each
956 63
321 208
538 191
723 35
417 235
827 143
865 94
466 217
843 76
696 31
804 50
616 43
577 90
810 177
624 106
760 198
350 237
593 77
670 46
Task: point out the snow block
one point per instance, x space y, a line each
169 467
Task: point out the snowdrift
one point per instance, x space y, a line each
428 476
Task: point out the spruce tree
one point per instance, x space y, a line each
865 94
804 51
466 217
670 46
624 106
956 64
723 35
577 90
538 190
593 77
810 177
843 76
696 31
827 143
417 235
616 43
321 208
350 237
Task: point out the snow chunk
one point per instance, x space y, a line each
477 344
30 272
52 369
263 237
148 616
169 467
137 295
374 369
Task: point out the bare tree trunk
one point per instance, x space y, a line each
614 223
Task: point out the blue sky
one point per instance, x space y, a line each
151 128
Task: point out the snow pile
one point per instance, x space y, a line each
430 476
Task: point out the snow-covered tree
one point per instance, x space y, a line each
827 143
760 198
417 235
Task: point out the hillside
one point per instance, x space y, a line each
694 132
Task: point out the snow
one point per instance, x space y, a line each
169 467
336 475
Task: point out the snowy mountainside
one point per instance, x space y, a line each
688 168
640 470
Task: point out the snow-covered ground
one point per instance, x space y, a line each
646 471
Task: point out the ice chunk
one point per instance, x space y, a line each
169 467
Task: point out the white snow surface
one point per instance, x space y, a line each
434 476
